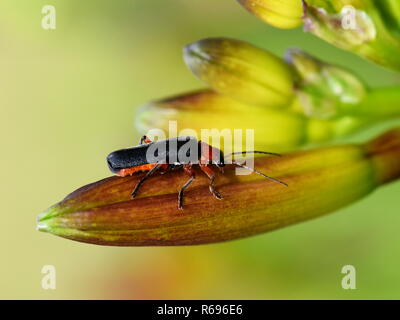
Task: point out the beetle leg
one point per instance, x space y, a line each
144 139
211 175
189 170
148 174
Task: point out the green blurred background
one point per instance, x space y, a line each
68 98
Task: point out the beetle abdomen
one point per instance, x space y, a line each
177 151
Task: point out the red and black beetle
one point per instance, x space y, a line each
169 154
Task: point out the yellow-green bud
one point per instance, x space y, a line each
274 129
241 71
284 14
324 89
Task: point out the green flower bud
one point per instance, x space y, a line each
324 89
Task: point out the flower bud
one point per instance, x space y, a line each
319 181
324 90
276 130
284 14
241 71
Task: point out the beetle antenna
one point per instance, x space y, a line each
254 151
260 173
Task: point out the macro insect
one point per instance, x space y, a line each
165 155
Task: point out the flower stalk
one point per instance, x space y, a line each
320 181
380 103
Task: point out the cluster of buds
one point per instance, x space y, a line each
369 28
288 102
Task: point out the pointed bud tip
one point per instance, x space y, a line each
42 226
195 50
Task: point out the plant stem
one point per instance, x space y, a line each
379 102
